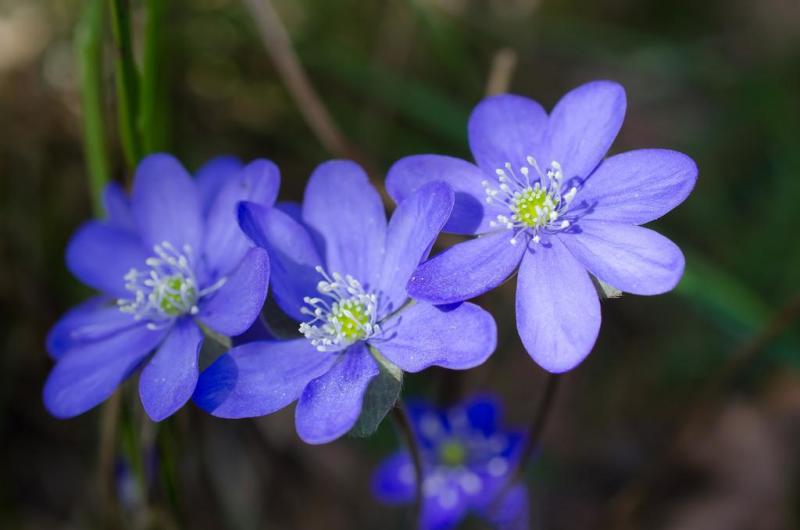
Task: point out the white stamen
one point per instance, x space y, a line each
167 290
535 207
348 316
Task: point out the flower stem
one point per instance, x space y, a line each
127 81
89 47
537 426
403 423
532 441
107 451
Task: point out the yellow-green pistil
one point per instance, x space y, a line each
174 298
533 207
452 454
353 318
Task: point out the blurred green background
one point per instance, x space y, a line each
718 80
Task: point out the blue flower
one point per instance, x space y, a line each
467 458
169 258
543 200
340 270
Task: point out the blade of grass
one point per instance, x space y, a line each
89 47
127 81
152 117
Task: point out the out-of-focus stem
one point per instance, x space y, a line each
127 82
89 43
279 48
403 423
109 425
503 64
533 439
538 424
151 103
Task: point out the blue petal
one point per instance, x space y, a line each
483 414
631 258
467 269
429 422
88 375
233 308
583 126
259 378
471 213
637 187
558 312
166 204
331 403
456 337
291 208
168 380
444 512
345 211
512 512
505 129
292 254
412 230
393 482
118 207
93 320
212 176
225 244
100 255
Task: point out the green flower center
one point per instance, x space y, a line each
176 295
452 454
533 207
354 319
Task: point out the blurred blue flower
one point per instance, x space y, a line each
169 258
467 458
338 268
543 199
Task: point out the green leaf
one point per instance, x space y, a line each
216 345
380 397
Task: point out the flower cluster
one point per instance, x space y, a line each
467 460
182 259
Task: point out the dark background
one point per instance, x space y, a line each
718 80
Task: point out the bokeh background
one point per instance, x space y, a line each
718 79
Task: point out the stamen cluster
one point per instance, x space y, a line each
349 314
534 206
167 289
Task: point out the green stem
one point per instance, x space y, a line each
151 103
127 82
89 43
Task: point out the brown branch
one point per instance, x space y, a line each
279 48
